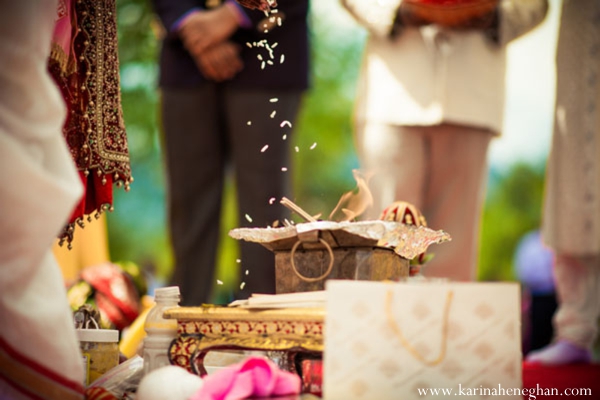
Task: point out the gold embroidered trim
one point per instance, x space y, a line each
68 231
106 138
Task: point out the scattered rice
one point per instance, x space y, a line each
248 218
242 285
262 65
219 282
274 11
264 148
284 123
249 122
273 114
297 149
247 272
272 200
266 31
313 145
259 57
269 62
279 21
237 260
274 100
284 137
284 169
249 44
282 59
274 45
270 50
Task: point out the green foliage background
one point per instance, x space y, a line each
138 227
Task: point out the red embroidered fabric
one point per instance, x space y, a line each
87 73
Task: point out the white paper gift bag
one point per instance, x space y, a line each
422 340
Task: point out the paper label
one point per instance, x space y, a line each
86 365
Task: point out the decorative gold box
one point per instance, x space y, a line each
309 253
202 329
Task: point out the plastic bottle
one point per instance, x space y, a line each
160 332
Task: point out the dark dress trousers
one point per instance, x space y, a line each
212 128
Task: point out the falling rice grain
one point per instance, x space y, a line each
237 260
279 21
313 145
269 62
283 169
262 65
273 114
272 200
264 148
282 59
274 100
247 272
270 50
297 149
242 285
259 57
249 44
284 137
219 282
274 45
284 123
249 123
248 218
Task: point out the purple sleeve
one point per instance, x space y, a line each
245 21
169 11
177 24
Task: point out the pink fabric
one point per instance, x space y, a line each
254 377
63 28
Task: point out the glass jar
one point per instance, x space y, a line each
100 351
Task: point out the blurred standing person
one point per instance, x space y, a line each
430 99
571 224
229 78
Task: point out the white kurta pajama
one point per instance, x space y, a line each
39 353
429 101
571 221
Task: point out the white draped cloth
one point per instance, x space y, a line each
39 354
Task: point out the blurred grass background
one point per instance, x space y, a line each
138 227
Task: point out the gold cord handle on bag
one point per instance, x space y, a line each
406 344
304 278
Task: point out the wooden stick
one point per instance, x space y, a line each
295 208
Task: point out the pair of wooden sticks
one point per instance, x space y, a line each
296 208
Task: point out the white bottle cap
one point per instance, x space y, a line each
98 335
168 291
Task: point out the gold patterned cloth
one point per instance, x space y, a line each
84 63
